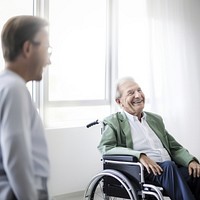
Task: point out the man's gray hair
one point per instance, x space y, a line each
121 82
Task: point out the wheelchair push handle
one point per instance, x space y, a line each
92 123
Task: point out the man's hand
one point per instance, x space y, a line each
150 165
194 169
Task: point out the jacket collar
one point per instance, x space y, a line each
125 126
154 125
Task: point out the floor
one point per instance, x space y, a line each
73 196
80 197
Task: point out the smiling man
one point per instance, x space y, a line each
142 134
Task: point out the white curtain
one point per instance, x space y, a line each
175 65
172 64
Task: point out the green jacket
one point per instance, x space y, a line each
117 139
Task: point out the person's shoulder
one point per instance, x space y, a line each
110 117
153 115
114 117
11 83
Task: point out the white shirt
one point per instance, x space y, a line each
145 140
23 148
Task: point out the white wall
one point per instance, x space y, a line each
74 158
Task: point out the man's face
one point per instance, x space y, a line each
132 98
40 57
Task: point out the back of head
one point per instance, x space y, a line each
18 30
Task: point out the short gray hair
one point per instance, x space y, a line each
121 82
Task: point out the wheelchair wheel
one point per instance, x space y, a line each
121 188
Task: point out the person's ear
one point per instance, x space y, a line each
26 49
117 101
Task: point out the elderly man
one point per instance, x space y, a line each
142 134
24 163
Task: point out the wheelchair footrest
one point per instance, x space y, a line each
151 189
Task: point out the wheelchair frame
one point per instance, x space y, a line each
122 177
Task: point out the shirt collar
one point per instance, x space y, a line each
135 118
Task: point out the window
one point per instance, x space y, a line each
76 85
94 42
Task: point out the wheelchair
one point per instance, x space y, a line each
122 178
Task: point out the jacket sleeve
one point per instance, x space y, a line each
178 153
113 140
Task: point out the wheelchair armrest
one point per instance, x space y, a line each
126 158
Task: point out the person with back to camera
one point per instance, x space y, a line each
24 162
142 134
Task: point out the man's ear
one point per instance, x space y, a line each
26 49
117 101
